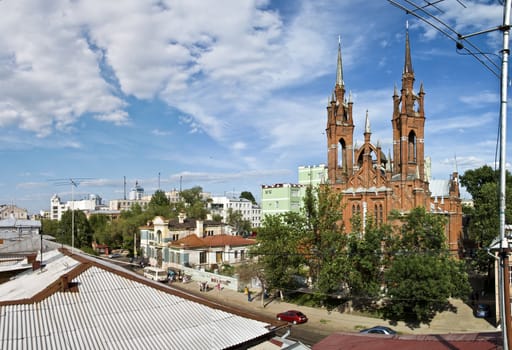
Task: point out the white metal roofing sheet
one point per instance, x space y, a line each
111 311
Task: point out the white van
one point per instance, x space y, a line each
155 273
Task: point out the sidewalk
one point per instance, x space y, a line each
447 322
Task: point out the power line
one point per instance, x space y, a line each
421 13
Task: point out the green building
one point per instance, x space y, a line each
312 175
282 198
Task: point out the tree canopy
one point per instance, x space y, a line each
422 274
248 195
483 224
406 267
277 250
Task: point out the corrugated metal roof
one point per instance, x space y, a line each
19 223
112 311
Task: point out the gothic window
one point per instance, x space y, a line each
381 214
342 154
411 144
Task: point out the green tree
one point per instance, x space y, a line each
82 231
248 195
422 274
159 205
419 285
99 224
277 250
236 219
324 239
483 226
50 227
192 195
368 261
194 204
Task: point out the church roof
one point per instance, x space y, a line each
408 61
339 67
439 188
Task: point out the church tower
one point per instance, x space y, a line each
339 130
408 125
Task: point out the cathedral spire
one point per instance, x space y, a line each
339 68
367 124
408 61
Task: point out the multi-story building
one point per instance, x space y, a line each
221 205
156 236
90 204
313 175
374 184
135 196
280 198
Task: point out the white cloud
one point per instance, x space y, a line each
159 132
239 146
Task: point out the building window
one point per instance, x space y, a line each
412 147
202 257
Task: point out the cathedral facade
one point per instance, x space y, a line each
374 184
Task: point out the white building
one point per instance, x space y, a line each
136 192
57 208
220 205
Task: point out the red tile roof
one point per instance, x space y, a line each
192 241
223 240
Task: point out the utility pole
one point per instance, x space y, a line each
504 248
73 185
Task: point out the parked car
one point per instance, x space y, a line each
482 310
114 255
292 316
378 330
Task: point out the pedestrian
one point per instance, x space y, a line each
218 286
248 295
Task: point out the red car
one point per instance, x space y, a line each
293 316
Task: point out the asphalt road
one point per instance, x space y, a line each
322 323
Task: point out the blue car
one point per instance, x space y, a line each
482 311
378 330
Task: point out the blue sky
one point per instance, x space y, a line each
227 95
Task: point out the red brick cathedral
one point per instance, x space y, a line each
373 184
